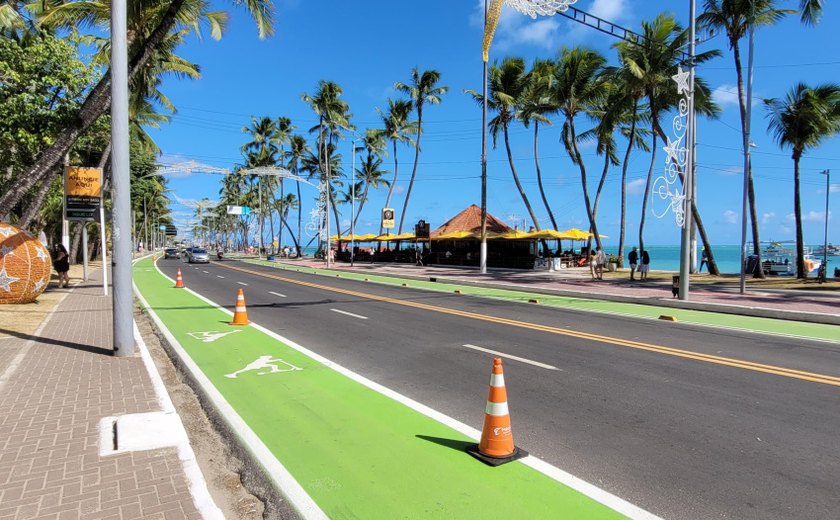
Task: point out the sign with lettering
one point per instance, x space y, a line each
82 192
388 218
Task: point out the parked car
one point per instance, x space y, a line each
199 256
170 252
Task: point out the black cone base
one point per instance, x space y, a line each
518 453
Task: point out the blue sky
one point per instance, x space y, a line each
366 46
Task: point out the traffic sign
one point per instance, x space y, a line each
82 192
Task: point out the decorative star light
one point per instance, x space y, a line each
5 250
674 149
6 281
39 284
6 231
43 256
681 77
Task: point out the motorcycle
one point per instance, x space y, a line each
219 254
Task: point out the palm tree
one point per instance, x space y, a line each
735 17
397 128
333 116
535 106
653 63
421 90
298 149
262 150
578 87
148 27
283 133
506 85
802 120
370 172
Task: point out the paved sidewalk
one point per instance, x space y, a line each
54 390
814 306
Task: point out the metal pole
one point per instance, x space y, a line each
353 202
104 246
825 240
747 156
483 250
84 251
685 260
262 218
121 191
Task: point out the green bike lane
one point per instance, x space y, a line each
816 331
357 450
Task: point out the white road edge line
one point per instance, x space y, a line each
277 294
350 314
219 276
614 502
283 480
242 283
509 356
205 272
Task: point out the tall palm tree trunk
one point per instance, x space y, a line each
36 203
361 204
797 211
393 184
94 106
539 175
624 166
516 180
592 225
414 169
647 194
759 272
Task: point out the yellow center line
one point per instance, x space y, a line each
697 356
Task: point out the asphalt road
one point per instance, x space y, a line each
637 407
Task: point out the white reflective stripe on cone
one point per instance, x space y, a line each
497 380
496 408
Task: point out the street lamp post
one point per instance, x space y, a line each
827 174
747 156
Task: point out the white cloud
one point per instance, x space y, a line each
398 189
766 217
811 216
730 217
636 187
726 95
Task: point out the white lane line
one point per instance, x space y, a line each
219 276
350 314
277 294
242 283
517 358
205 272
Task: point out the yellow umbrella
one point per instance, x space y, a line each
514 234
551 234
577 234
365 238
403 236
456 235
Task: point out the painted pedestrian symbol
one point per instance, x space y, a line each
209 336
265 362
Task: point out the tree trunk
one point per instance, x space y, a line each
94 106
592 225
759 272
34 206
518 184
797 212
539 176
362 203
624 182
414 170
601 186
645 199
300 210
75 242
390 188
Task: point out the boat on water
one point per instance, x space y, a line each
779 258
829 250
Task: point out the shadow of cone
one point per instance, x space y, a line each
179 280
496 446
240 314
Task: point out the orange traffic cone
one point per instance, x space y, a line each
179 280
240 315
496 446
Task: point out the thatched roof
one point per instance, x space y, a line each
470 220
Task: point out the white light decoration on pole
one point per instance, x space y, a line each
540 7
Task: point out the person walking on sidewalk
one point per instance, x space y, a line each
600 262
593 263
633 257
704 260
644 269
62 265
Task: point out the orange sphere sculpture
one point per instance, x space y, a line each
25 265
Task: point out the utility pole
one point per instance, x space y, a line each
121 191
688 181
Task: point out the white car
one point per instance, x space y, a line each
199 256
